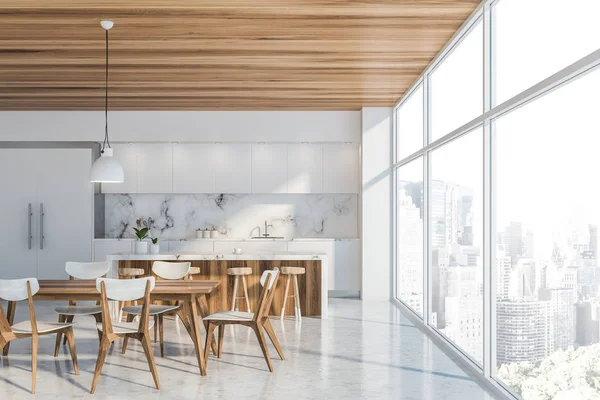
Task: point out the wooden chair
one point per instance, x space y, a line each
164 270
257 321
124 290
78 270
21 289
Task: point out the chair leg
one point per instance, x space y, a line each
126 338
102 352
68 320
221 339
210 333
285 295
61 319
161 333
71 338
246 293
263 345
269 329
155 327
34 353
235 291
120 305
150 357
298 312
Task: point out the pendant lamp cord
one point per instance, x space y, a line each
106 141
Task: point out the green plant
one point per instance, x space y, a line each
141 233
154 240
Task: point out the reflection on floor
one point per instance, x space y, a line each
363 351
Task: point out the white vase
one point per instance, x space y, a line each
154 248
199 234
141 247
214 234
206 234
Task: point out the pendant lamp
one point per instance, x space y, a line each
106 169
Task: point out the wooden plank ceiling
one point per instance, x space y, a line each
219 55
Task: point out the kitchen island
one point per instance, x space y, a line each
213 266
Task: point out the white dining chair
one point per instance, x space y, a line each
85 271
25 289
124 290
168 271
256 321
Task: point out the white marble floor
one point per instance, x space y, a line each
363 351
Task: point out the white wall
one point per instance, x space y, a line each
190 126
376 202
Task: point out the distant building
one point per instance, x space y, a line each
587 325
524 330
562 315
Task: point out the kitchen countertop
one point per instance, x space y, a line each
190 256
227 239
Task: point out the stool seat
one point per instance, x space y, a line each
237 271
131 271
293 270
194 270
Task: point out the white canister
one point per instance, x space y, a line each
199 234
206 234
141 247
214 234
154 248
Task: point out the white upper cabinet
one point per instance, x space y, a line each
155 168
233 168
193 168
127 155
340 168
269 168
305 168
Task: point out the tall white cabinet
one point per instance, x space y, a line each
46 211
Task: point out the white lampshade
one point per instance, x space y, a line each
106 169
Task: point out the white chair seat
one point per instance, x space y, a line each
43 327
230 316
78 310
125 327
153 309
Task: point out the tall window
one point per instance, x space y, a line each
456 85
497 222
456 240
547 216
409 234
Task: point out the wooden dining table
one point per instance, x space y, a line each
191 294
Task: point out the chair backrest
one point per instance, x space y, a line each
16 289
90 270
125 289
268 280
171 270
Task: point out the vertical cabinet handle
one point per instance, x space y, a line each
41 226
29 215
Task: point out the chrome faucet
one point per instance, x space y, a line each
266 234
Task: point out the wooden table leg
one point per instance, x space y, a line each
192 314
182 314
12 306
203 308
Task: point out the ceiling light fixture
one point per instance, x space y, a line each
106 169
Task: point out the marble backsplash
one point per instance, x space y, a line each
178 216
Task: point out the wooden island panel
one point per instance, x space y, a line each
309 284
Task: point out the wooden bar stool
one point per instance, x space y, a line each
237 272
193 271
128 273
292 271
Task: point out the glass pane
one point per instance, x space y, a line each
534 39
547 216
409 122
456 225
410 249
456 86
